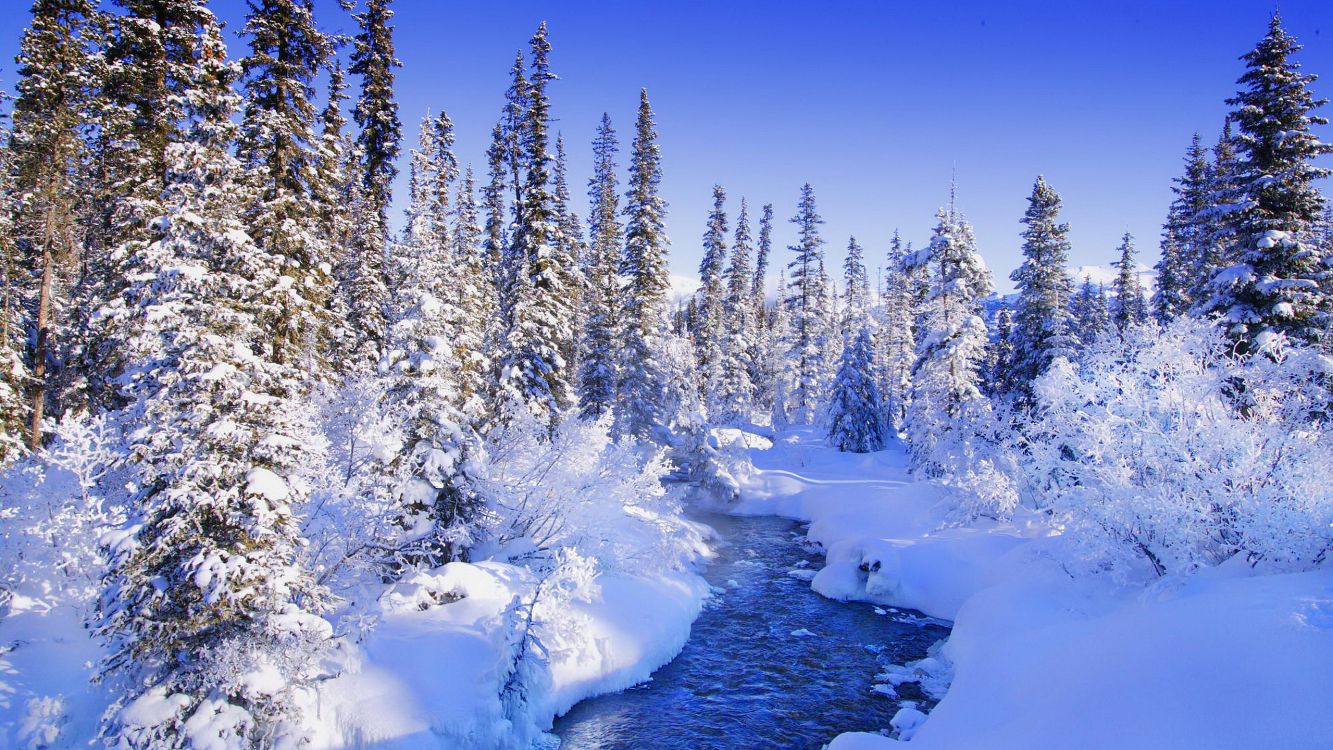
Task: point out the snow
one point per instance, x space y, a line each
1225 658
394 696
264 483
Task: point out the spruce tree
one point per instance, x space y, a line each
472 296
14 373
1041 313
897 332
856 423
206 589
643 378
376 111
601 333
534 372
1091 312
804 301
287 51
570 249
732 401
765 250
1131 309
1277 284
946 399
856 294
1184 237
47 150
1219 219
708 331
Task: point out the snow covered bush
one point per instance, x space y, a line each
574 487
1162 450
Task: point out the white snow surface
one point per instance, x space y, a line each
1225 658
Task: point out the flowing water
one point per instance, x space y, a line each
769 663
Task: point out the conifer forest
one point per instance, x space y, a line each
322 429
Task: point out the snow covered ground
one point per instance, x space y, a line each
1222 659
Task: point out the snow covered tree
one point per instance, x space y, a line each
376 111
13 334
1277 283
474 306
601 332
897 332
1092 316
765 250
643 379
708 330
804 301
946 402
46 151
571 248
1041 312
735 392
286 53
1218 220
855 421
1184 237
1130 309
533 371
210 619
856 294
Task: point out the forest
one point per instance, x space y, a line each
280 471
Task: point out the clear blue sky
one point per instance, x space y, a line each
874 103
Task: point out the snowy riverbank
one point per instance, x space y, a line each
1223 659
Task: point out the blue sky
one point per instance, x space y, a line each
874 103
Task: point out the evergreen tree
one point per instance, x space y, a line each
570 249
47 149
946 400
1041 313
13 369
473 307
1184 237
493 199
601 333
856 295
206 590
897 332
855 421
643 379
1278 282
534 373
1091 313
808 341
708 331
732 401
1131 309
765 250
338 195
376 111
1218 220
286 52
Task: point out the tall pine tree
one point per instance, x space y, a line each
1041 313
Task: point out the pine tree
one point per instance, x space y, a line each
1091 313
210 590
276 144
376 111
493 200
473 305
1218 220
135 113
47 149
946 399
856 294
598 371
1277 284
761 261
735 395
643 379
14 374
338 194
708 331
897 332
1131 309
808 340
1041 313
856 423
534 374
1184 238
570 249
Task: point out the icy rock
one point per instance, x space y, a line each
907 721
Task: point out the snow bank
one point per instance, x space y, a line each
1222 659
432 677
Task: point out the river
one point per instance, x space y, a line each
769 663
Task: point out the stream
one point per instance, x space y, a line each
769 663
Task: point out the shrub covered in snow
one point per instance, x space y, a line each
1164 450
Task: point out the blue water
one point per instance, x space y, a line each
743 680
